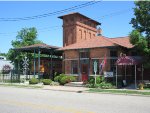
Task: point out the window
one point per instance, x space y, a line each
85 34
112 65
113 53
134 53
74 64
90 35
80 33
84 54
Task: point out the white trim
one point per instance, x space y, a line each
106 58
91 58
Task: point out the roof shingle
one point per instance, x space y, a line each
100 41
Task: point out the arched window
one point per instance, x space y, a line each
85 35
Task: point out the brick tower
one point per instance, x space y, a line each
77 27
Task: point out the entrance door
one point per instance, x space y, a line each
84 72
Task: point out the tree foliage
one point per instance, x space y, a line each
3 54
25 37
140 36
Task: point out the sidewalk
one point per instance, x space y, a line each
65 88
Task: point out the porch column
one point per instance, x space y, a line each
125 72
135 77
142 73
39 63
34 63
116 77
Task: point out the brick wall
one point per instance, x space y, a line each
100 53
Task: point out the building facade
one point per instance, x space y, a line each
83 44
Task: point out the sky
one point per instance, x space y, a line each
114 16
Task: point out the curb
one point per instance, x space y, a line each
118 94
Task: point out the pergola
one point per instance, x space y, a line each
40 49
129 60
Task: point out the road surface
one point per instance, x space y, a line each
21 100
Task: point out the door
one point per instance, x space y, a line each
84 72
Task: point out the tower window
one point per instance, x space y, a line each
80 33
90 35
85 34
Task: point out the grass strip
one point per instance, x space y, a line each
120 91
21 86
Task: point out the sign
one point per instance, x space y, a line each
95 66
108 74
95 69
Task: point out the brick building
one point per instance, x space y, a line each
83 44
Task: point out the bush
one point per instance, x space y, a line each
63 79
56 78
90 85
54 83
105 85
72 78
33 81
102 85
47 81
99 79
56 74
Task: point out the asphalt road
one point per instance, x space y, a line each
21 100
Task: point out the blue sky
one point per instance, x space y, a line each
113 25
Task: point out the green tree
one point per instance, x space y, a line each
25 37
140 36
3 54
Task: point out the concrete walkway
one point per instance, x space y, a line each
65 88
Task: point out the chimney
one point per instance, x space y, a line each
99 32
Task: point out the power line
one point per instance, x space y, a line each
59 26
52 13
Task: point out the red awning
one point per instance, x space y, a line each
128 60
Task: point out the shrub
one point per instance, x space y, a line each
90 85
105 85
66 79
56 74
6 69
54 83
60 77
33 81
72 78
47 81
98 80
102 85
56 78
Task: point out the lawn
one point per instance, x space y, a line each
20 85
115 91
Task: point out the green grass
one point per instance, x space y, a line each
21 86
120 91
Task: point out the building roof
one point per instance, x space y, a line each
76 13
122 41
100 41
44 49
42 45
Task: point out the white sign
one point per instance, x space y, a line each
108 74
95 66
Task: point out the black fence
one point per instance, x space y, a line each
12 77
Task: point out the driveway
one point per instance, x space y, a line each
21 100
